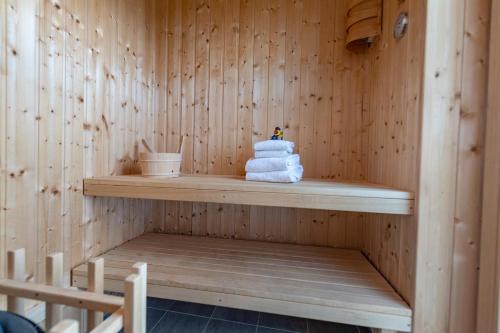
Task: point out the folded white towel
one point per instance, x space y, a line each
293 175
272 164
271 153
274 145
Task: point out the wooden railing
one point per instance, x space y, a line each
128 312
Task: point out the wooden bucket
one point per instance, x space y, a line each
160 164
363 23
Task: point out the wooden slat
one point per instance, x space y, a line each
54 277
488 308
192 268
3 150
95 285
141 269
132 312
21 129
468 221
66 326
16 271
112 324
74 298
439 132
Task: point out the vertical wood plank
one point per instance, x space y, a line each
291 111
21 211
230 86
92 140
215 106
74 116
261 71
470 164
323 114
132 311
3 138
488 308
16 270
174 78
309 95
201 109
260 98
96 285
216 77
244 106
202 75
229 104
275 100
245 84
188 104
54 277
440 116
160 99
141 269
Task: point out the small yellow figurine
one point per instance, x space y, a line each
278 134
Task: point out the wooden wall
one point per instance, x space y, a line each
445 141
391 139
82 82
227 73
76 95
391 152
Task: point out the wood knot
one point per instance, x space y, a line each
475 149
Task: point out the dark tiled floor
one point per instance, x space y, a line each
167 316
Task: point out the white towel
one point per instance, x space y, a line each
274 145
271 153
292 175
272 164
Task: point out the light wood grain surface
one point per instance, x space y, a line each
82 82
81 95
333 279
488 305
316 194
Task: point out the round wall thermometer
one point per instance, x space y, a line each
400 25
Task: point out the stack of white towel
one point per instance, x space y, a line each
274 162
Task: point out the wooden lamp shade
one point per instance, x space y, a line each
363 23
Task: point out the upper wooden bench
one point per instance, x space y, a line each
313 194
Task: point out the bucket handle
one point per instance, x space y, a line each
148 148
181 145
181 149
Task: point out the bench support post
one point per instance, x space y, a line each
141 269
16 270
96 285
53 277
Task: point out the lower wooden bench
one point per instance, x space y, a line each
305 281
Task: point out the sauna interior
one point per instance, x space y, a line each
383 232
